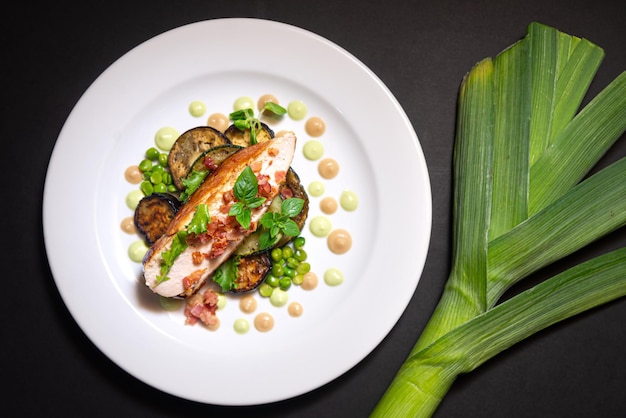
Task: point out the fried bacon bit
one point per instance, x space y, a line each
280 176
197 257
265 188
256 166
201 307
286 193
209 163
190 281
272 152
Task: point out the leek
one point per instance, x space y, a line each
522 199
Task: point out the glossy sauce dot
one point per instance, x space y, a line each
333 277
320 226
309 281
329 205
339 241
279 297
248 304
328 168
133 174
315 126
197 108
243 102
137 250
128 225
266 98
241 326
295 309
221 301
313 150
133 198
264 322
218 121
316 188
349 200
296 110
165 138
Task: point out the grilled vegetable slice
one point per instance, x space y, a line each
154 214
242 137
188 147
210 159
251 272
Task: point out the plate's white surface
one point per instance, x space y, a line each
367 132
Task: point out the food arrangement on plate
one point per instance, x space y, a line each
220 210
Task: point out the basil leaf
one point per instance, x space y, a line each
292 206
275 108
246 186
291 228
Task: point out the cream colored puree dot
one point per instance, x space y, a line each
315 126
295 309
248 304
264 322
218 121
328 168
128 225
329 205
339 241
309 281
133 174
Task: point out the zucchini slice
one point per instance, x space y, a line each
188 147
213 158
242 137
153 215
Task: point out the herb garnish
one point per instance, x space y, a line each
245 191
191 183
275 223
197 225
244 119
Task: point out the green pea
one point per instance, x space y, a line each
292 262
276 254
167 178
290 272
163 159
285 283
299 242
300 254
160 188
266 290
145 165
277 270
152 154
272 280
146 187
287 252
158 169
303 268
156 178
298 279
172 188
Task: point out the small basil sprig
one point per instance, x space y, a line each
275 223
245 119
245 191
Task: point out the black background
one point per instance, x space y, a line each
420 50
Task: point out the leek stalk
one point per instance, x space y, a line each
521 200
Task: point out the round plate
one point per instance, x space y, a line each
367 133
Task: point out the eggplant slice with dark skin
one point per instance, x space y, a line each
154 214
188 147
242 137
251 272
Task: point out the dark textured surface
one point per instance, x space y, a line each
420 50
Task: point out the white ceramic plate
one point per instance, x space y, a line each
217 62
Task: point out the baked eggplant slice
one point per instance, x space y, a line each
242 137
251 272
153 215
188 147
